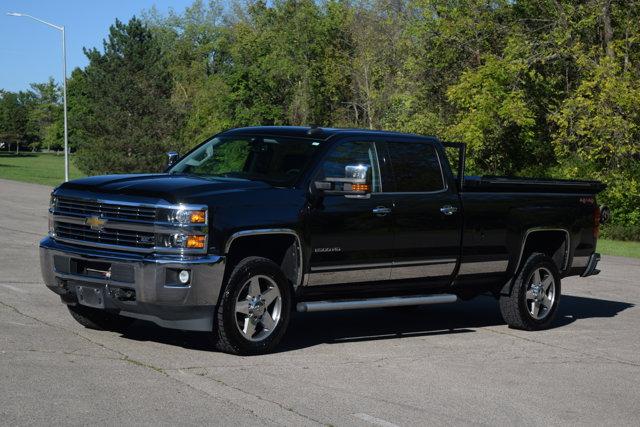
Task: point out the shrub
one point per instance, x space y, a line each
620 232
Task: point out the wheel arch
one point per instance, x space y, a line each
553 242
281 245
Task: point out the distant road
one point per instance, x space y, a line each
453 364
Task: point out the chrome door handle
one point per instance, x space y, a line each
381 211
448 209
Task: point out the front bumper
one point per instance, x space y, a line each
156 297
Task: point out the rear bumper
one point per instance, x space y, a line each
157 297
591 269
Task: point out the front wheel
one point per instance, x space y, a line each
254 310
533 301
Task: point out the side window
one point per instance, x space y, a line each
415 166
352 153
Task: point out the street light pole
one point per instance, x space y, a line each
64 101
64 85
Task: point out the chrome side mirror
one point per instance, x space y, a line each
356 181
172 158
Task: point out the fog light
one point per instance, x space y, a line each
184 277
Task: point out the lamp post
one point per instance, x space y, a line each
64 85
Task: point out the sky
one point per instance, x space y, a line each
31 52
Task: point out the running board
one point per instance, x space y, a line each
375 302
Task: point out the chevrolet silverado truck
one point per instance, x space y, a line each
259 222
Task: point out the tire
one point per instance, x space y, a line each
536 285
101 320
242 321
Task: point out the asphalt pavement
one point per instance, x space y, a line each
448 364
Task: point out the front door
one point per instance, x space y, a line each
427 213
351 236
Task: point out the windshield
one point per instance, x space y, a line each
276 160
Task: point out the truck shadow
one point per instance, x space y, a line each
310 329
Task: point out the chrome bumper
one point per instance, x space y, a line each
591 266
157 299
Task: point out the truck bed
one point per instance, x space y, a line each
530 185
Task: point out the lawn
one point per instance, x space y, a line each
619 248
38 168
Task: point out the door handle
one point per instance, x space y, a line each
381 211
448 209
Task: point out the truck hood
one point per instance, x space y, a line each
173 188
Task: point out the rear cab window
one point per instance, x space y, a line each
416 167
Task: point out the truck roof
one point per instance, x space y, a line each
319 133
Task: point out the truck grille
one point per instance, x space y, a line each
124 226
70 206
135 239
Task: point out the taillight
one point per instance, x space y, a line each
596 221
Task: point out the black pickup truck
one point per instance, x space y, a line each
258 222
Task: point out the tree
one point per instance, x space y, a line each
126 119
13 118
45 114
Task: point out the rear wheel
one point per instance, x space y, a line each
254 311
94 318
534 298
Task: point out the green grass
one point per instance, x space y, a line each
619 248
39 168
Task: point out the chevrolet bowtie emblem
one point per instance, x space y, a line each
96 223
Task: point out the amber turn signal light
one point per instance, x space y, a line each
195 242
359 187
198 217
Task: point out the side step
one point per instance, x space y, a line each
375 302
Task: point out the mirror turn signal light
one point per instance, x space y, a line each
359 187
195 242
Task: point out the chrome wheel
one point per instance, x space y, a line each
541 293
258 308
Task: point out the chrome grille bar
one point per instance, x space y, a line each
107 236
107 210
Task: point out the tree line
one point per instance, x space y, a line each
547 88
32 119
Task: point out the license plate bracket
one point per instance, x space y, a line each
90 296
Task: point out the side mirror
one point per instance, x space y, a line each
356 181
172 158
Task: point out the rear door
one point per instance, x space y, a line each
426 211
351 236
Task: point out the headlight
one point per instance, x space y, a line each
188 228
53 201
185 216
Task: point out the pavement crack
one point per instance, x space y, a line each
280 405
124 357
18 282
582 353
238 389
143 364
51 325
21 231
66 353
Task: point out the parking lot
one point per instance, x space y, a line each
448 364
